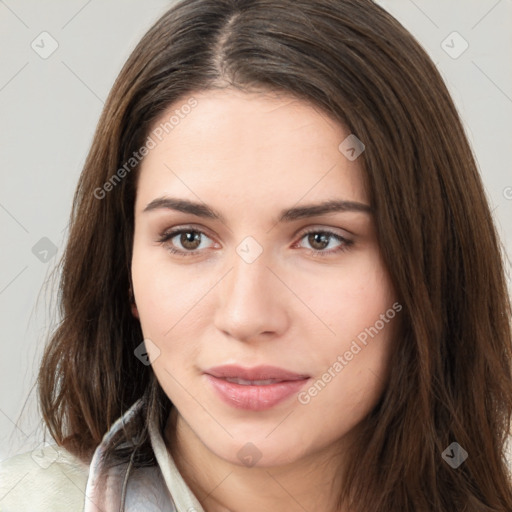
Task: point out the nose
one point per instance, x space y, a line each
252 303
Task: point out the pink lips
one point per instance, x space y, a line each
255 389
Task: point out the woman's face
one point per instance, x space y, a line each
265 304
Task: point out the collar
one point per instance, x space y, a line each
152 489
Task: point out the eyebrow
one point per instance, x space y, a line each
287 215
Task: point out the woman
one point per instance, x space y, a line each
283 289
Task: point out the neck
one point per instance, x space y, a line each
220 486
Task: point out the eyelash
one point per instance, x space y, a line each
345 243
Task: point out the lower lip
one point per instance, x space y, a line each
255 398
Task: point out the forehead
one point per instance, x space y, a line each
255 145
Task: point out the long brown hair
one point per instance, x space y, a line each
450 375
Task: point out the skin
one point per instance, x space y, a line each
249 156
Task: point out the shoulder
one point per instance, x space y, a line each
46 479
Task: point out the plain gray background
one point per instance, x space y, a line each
50 106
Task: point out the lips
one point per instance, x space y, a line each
258 388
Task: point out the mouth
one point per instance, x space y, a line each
256 389
244 382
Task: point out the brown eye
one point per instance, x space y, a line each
185 242
190 240
324 243
319 241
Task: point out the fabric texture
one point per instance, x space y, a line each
52 480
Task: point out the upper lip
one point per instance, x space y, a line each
262 372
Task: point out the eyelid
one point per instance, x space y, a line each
168 234
186 227
344 233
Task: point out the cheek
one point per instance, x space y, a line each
175 312
351 362
349 385
168 296
351 301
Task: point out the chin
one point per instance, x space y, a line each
256 451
